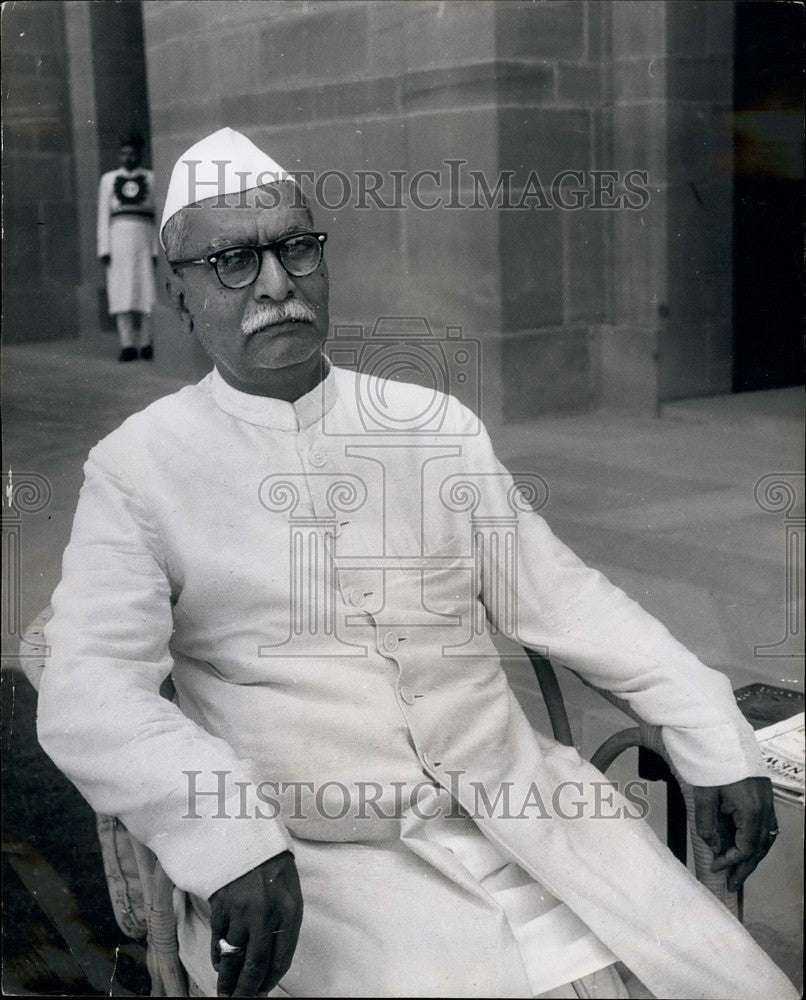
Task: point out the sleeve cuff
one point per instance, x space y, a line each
711 758
215 849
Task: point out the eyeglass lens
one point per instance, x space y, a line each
299 255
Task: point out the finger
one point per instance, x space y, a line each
769 839
231 963
746 858
752 831
277 968
732 857
219 925
735 857
740 873
250 982
256 962
706 816
285 944
283 952
229 969
770 827
754 835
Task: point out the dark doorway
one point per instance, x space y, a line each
119 69
121 91
768 196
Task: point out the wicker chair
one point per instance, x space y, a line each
153 890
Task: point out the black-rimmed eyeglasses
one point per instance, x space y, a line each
238 266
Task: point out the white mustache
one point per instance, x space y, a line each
269 314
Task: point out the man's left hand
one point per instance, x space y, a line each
738 822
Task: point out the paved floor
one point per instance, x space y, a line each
670 509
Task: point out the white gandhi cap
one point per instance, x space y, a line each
225 162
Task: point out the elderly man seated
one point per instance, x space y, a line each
323 587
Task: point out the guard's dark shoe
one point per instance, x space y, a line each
147 353
128 354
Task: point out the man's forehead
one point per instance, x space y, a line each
258 212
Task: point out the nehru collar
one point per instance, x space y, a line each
277 414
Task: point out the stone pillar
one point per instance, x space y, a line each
696 344
106 79
81 81
671 267
40 268
551 273
635 41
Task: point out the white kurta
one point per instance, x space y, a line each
323 595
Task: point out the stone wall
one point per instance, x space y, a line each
671 89
39 212
572 308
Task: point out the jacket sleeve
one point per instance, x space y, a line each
101 717
575 616
104 209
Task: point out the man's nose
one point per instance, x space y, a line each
273 282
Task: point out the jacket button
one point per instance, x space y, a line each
407 695
316 458
356 598
390 642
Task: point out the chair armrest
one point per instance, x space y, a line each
552 696
650 737
642 735
168 976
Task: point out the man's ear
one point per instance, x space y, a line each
175 287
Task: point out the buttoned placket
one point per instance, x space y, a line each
322 460
318 459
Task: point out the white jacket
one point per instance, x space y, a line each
322 593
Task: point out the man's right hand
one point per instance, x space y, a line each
260 913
